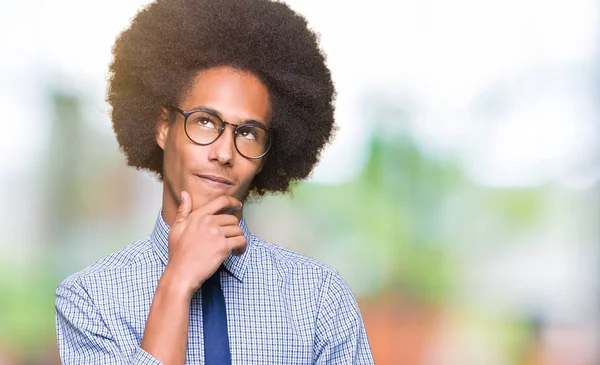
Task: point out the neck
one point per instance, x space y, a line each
170 203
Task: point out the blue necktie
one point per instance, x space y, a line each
214 318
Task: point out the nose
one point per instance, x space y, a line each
223 149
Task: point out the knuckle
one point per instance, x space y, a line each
223 200
205 220
214 231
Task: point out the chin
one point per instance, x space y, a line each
204 196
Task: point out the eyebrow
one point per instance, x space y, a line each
213 111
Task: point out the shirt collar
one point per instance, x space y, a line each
235 265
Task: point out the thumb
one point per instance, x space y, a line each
185 207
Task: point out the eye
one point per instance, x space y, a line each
204 122
249 133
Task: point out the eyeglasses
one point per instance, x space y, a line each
203 127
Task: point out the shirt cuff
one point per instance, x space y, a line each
141 357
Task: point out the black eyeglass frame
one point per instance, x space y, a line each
237 128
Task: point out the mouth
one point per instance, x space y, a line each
215 181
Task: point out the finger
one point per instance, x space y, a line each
237 245
223 220
221 203
232 231
185 207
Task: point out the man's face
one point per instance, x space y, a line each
207 172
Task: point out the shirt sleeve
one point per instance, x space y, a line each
83 337
340 334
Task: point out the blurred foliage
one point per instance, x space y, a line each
392 211
406 217
27 317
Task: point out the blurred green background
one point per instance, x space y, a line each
460 199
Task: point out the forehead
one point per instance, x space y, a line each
237 95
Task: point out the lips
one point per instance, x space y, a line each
216 179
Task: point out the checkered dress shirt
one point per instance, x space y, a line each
282 308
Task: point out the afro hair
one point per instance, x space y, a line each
169 41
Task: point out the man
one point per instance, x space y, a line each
223 100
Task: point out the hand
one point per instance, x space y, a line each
200 241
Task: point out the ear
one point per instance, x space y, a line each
162 128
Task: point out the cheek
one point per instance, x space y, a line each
175 157
250 172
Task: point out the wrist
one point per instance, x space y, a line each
173 284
